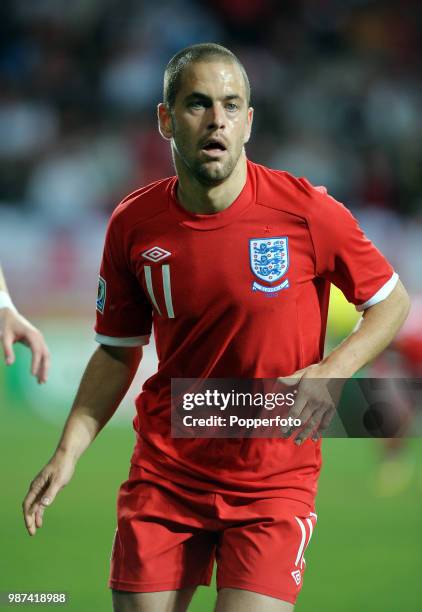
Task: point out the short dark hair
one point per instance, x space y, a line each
202 52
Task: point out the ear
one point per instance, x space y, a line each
164 121
248 125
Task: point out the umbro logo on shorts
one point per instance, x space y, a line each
156 253
297 577
306 526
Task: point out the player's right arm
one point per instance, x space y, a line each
107 377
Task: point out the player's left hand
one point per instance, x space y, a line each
15 328
315 403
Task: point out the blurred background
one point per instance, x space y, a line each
337 91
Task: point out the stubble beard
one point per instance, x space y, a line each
212 173
205 172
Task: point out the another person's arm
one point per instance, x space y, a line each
15 328
107 377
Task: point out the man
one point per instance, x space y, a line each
186 255
15 328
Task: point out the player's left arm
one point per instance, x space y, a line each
316 403
15 328
372 334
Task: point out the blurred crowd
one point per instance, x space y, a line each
335 85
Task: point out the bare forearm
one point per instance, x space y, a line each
372 335
103 385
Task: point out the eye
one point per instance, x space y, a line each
232 107
196 105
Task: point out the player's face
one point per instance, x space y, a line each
210 122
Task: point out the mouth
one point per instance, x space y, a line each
214 148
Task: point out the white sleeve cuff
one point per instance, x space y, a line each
381 294
129 342
6 301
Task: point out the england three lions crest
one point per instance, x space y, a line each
269 259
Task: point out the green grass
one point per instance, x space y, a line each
365 554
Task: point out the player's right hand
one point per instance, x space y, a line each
44 488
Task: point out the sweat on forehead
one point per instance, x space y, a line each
202 53
203 77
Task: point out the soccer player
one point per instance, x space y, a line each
231 264
15 328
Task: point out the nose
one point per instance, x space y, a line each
217 117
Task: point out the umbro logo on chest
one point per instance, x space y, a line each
155 254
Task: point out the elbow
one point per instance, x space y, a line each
393 310
402 304
405 303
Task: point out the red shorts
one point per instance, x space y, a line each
168 538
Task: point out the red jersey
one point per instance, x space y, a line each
242 293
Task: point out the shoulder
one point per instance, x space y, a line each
283 191
143 204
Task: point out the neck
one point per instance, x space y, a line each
208 199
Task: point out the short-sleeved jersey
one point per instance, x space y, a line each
242 293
